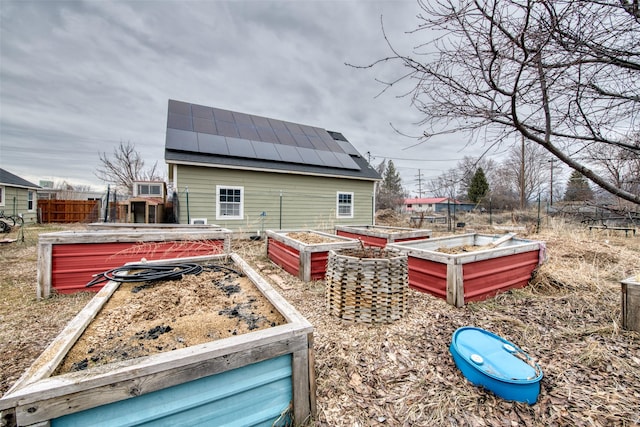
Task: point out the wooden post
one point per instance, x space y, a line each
43 285
455 285
631 305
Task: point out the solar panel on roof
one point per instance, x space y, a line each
277 124
240 148
260 121
179 107
212 144
202 112
248 132
204 125
329 159
302 141
206 130
307 130
317 143
288 153
293 128
284 137
242 119
267 135
346 161
348 148
182 140
310 156
222 115
178 121
227 129
265 151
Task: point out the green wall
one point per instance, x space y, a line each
15 203
289 201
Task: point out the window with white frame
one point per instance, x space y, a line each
30 200
229 202
344 205
1 195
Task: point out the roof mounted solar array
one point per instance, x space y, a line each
207 130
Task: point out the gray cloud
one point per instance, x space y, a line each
78 77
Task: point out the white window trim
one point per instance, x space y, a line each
338 194
33 200
228 217
199 221
3 194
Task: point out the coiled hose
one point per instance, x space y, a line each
153 272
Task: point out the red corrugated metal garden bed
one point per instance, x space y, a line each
379 236
307 261
67 260
473 275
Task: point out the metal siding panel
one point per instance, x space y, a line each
319 265
428 276
253 395
73 265
285 256
484 279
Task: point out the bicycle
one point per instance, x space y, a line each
9 221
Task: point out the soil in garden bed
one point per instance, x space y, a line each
311 238
141 319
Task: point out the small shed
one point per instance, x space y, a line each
147 206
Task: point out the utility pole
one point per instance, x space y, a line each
419 184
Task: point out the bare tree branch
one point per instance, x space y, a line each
564 74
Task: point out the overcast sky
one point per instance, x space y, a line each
79 77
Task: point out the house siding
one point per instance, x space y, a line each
288 200
15 203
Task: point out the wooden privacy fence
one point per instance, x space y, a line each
65 211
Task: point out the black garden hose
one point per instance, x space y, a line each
153 272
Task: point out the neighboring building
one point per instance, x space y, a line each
148 202
436 205
66 192
251 173
18 197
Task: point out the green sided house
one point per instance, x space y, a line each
249 173
18 197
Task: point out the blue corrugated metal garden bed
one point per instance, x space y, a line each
263 377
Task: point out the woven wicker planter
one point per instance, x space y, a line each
367 285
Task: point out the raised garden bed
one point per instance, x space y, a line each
67 260
222 347
304 253
379 236
467 267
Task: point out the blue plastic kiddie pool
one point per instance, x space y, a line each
496 364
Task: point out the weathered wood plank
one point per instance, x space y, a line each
51 357
43 277
81 390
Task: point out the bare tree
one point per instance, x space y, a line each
447 184
526 166
619 165
125 167
564 74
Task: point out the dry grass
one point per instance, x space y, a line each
402 374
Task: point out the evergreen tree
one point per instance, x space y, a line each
578 189
390 194
479 187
